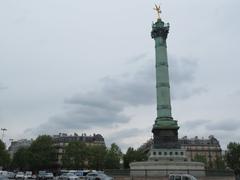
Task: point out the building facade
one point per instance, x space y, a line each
62 140
16 145
208 148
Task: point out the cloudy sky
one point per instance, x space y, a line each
88 67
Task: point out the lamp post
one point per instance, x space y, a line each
3 131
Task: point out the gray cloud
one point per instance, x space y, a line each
137 58
120 137
213 125
82 117
94 100
182 75
182 70
224 125
104 107
185 92
195 123
2 87
235 93
123 134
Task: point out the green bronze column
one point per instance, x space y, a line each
165 129
159 33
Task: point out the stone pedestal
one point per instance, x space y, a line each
165 161
165 134
164 168
165 154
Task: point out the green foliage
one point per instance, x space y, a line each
200 158
96 155
42 153
22 159
113 157
116 150
2 146
75 155
233 157
4 156
132 156
78 155
219 163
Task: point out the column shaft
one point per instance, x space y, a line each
162 79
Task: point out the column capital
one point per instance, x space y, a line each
160 29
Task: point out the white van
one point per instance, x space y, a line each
181 177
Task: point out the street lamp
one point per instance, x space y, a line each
3 130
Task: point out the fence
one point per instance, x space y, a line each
166 172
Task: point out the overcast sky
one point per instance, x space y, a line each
88 67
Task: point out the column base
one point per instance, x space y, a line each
165 134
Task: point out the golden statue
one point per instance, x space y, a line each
157 8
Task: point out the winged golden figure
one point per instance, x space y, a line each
157 8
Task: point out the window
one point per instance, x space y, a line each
165 153
154 153
185 178
170 153
182 153
160 153
176 153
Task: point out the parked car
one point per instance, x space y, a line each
28 175
48 176
181 177
11 175
19 175
72 171
41 175
34 176
68 176
98 176
3 177
4 173
82 174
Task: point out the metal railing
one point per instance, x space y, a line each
166 172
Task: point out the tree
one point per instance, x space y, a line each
22 159
219 163
113 157
233 157
96 154
4 156
200 158
42 153
132 156
75 155
128 157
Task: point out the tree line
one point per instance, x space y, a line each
42 155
